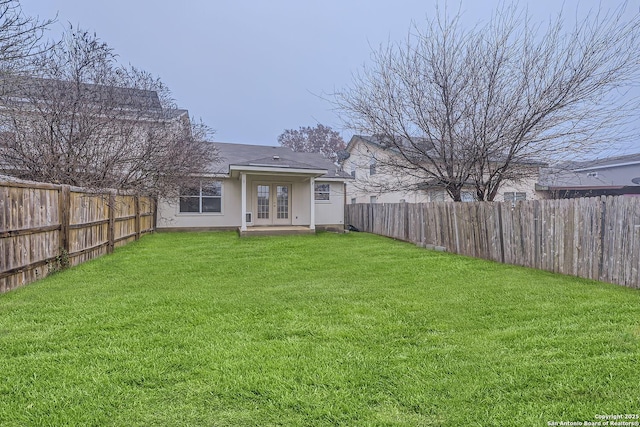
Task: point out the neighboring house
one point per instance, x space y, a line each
364 161
112 117
261 186
32 94
613 176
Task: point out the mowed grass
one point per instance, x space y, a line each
207 329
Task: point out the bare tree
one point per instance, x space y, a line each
83 120
20 36
319 139
454 107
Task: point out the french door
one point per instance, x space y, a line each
273 204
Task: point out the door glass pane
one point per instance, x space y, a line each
263 202
283 201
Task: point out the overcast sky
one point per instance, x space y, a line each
251 69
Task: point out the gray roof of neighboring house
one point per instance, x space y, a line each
609 172
34 88
262 155
604 162
174 113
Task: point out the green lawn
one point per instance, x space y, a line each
206 329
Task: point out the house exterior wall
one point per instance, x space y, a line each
364 186
527 185
169 215
331 212
328 213
614 175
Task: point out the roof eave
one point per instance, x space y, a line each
608 166
585 187
278 170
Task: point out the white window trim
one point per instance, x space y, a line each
373 165
514 196
315 192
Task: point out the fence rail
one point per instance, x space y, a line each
44 225
596 238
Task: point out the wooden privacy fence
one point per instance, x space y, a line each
596 238
45 226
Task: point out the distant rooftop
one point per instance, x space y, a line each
35 89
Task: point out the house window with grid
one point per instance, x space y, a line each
204 198
372 166
513 197
436 196
322 192
467 196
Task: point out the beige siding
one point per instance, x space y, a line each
366 185
525 186
169 215
331 212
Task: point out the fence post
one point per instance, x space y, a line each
154 200
111 231
136 201
64 212
406 222
500 232
455 226
601 240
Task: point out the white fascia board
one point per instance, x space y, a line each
609 166
284 171
334 179
211 175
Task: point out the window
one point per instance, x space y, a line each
322 191
372 166
373 199
353 171
353 201
205 198
467 196
436 196
513 197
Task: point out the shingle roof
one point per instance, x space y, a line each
605 162
33 88
262 155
